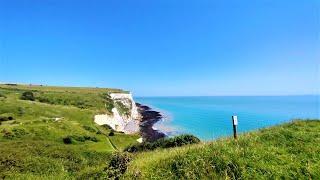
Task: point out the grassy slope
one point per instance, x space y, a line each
36 148
287 151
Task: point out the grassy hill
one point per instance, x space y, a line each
53 136
32 133
289 151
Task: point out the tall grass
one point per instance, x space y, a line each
283 152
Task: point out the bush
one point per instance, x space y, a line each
111 133
6 118
118 165
72 139
28 95
2 118
19 132
106 126
67 140
89 128
164 143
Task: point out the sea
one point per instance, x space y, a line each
211 117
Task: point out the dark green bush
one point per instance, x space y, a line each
3 118
19 132
118 165
67 140
72 139
106 126
164 143
111 133
6 118
28 95
89 128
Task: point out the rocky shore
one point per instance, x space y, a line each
149 118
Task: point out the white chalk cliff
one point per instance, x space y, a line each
127 123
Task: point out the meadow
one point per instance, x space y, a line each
33 134
50 134
288 151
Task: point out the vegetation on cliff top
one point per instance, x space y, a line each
55 138
287 151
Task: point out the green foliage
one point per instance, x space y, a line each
6 118
28 95
74 138
107 127
280 152
32 146
68 140
123 110
14 133
109 104
19 132
89 128
111 133
164 143
118 165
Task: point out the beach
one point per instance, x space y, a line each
149 118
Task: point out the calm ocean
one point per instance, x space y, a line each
210 117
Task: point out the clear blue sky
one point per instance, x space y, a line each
164 47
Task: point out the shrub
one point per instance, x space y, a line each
118 165
94 139
28 95
164 143
72 139
106 126
3 118
123 110
67 140
89 128
6 118
19 132
111 133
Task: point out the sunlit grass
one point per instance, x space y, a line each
286 151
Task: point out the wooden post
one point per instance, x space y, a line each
235 124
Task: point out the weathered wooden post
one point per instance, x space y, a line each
235 124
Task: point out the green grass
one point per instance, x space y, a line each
287 151
31 145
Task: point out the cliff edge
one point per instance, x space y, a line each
125 116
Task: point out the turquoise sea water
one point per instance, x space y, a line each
210 117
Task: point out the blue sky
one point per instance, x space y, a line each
164 47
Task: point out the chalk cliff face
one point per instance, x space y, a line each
125 116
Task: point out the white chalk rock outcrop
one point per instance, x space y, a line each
124 123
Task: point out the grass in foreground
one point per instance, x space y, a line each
289 151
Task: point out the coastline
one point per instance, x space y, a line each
149 118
